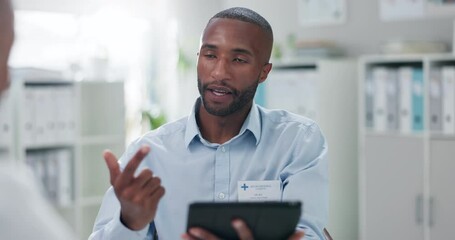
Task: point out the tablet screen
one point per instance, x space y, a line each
266 220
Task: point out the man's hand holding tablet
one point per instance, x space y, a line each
243 220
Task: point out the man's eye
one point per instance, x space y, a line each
239 60
210 56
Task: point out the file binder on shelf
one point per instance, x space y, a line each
380 76
392 99
63 158
435 100
417 100
369 100
448 103
405 103
27 128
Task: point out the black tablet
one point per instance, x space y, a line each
267 220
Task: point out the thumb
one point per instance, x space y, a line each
112 165
297 235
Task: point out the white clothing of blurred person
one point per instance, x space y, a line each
24 212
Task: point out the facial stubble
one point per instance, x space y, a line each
241 98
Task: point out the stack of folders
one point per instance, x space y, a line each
53 169
442 99
48 115
394 99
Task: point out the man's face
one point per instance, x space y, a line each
231 64
6 41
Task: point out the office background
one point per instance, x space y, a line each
142 54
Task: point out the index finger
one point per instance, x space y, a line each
200 233
242 230
112 165
130 168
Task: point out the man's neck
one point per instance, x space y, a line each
220 129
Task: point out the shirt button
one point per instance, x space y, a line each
223 149
221 195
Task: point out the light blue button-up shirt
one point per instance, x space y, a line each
271 145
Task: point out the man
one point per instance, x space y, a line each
24 212
226 139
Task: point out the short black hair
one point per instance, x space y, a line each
246 15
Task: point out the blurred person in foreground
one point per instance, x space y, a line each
226 140
24 212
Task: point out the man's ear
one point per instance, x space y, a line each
265 72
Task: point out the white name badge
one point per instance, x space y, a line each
259 190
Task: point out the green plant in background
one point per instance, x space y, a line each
183 63
291 41
277 52
154 120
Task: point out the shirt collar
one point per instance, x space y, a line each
252 123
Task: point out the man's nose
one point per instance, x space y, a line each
221 70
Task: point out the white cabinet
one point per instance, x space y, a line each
393 171
325 90
442 196
102 126
62 129
405 189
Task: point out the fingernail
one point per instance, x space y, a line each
237 224
145 149
195 232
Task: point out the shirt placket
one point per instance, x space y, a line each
222 173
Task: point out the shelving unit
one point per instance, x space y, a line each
6 127
63 128
325 90
405 181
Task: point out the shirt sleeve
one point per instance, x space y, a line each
305 179
109 226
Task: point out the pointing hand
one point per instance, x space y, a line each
138 196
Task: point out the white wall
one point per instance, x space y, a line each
363 31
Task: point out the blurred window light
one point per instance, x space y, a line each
113 43
60 40
43 39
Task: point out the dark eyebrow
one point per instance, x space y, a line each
243 51
209 46
235 50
